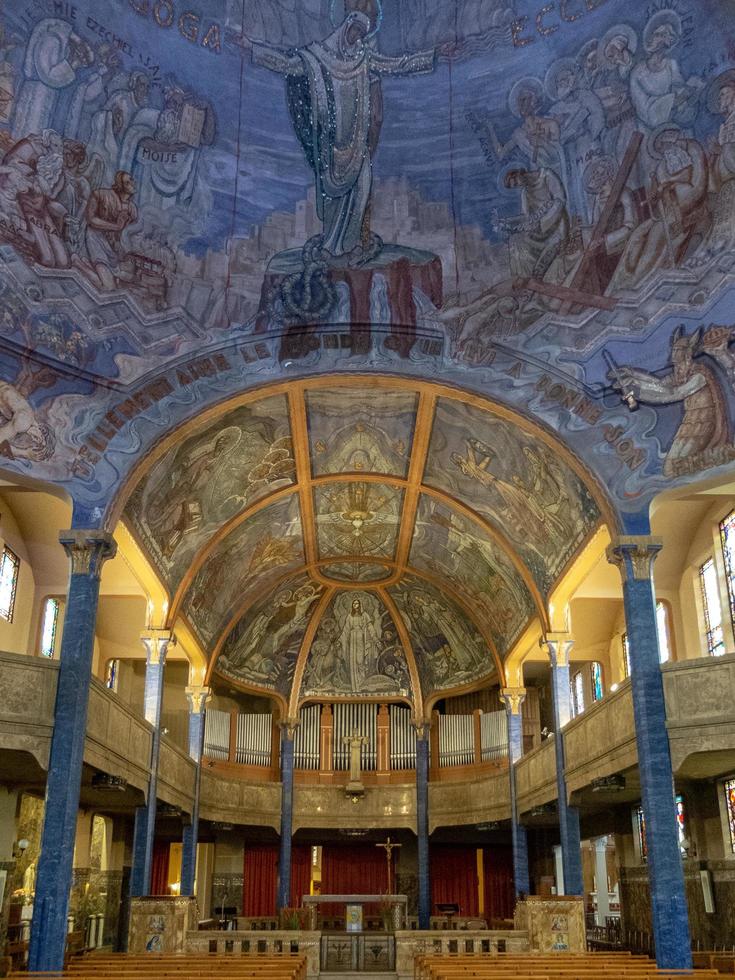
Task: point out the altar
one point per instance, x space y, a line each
392 908
354 947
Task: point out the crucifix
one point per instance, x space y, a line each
389 847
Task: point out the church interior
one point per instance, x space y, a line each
367 489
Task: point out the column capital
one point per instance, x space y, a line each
288 727
156 643
634 555
559 646
513 698
88 550
422 726
197 696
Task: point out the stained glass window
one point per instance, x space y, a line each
730 806
712 608
727 535
578 693
8 582
626 655
641 827
48 628
680 825
664 639
111 672
596 679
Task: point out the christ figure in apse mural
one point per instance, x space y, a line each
336 106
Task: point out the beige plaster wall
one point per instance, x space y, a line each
15 635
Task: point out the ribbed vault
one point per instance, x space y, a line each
352 538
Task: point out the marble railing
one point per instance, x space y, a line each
700 713
27 694
601 741
536 777
176 775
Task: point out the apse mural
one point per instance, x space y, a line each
361 430
260 550
451 547
449 650
360 519
208 479
528 202
262 648
521 485
356 651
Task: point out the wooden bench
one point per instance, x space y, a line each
553 966
163 966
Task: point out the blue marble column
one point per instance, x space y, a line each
197 698
283 900
513 698
559 646
87 551
634 556
156 642
422 824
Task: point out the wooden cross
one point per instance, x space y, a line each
389 847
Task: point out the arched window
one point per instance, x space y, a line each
48 627
712 608
596 681
578 693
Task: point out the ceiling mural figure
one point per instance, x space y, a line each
204 482
356 651
518 483
448 647
451 547
259 550
262 648
335 102
350 430
358 519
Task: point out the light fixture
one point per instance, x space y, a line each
608 784
107 783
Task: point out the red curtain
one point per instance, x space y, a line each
454 877
159 868
360 869
300 874
259 880
499 887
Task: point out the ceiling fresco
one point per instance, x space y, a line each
259 551
357 200
208 479
450 547
356 651
355 572
352 430
262 648
514 480
450 650
530 201
359 519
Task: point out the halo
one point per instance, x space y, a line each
552 75
666 16
651 149
619 30
527 84
725 78
378 21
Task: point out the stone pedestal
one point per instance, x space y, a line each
386 284
160 925
553 924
